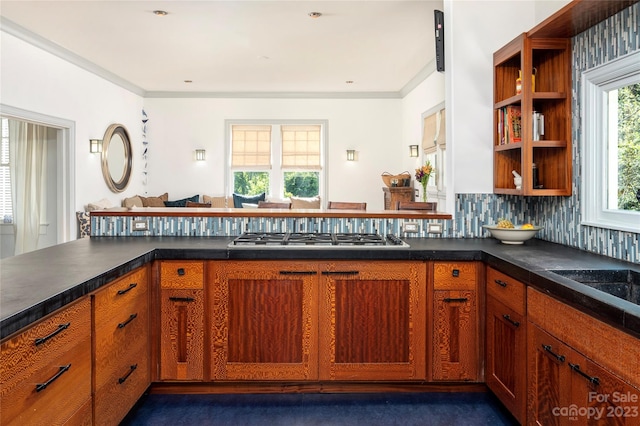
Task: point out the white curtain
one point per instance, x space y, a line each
28 155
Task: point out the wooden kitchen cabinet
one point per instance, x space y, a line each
121 346
264 320
45 370
550 60
506 341
372 320
182 319
580 370
455 333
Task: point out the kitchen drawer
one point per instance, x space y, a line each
123 386
455 275
507 290
181 274
61 359
120 297
119 337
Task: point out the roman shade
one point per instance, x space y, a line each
251 146
301 147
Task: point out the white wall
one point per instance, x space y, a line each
177 127
35 80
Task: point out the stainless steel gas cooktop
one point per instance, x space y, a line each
316 240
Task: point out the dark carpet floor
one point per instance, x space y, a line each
403 409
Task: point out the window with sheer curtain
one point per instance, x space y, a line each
434 146
6 205
281 159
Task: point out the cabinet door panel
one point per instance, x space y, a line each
182 335
506 356
264 320
455 335
373 321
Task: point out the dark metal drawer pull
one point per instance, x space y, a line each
43 386
576 368
131 318
455 272
131 287
508 318
340 272
182 299
61 327
298 272
124 378
455 299
500 283
549 349
181 271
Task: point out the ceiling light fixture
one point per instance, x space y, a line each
188 81
315 15
160 12
349 81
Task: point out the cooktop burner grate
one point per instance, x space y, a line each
316 239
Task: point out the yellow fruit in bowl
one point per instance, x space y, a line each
504 223
527 226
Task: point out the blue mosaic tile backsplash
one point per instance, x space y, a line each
560 216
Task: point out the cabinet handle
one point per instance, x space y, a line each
131 318
455 299
61 327
455 273
63 369
549 349
131 287
182 299
180 271
297 272
124 378
340 272
508 318
576 368
500 283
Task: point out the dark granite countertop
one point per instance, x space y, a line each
35 284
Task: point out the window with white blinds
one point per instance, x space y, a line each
6 208
251 146
301 147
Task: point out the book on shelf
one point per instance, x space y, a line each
509 125
537 124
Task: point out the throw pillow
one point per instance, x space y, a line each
135 201
194 204
181 203
84 224
154 201
238 199
305 202
217 202
98 205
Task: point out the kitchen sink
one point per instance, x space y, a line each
622 283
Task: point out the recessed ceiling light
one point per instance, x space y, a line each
315 15
160 12
263 57
188 81
349 81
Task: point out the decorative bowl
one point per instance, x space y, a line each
515 235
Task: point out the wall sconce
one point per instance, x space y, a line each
95 146
200 154
351 154
413 150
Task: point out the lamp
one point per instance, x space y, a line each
351 154
95 146
200 154
413 150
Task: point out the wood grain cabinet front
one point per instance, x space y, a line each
121 339
372 320
45 371
455 327
263 320
182 318
506 341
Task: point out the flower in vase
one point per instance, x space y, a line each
422 175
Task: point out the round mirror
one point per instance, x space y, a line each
116 157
